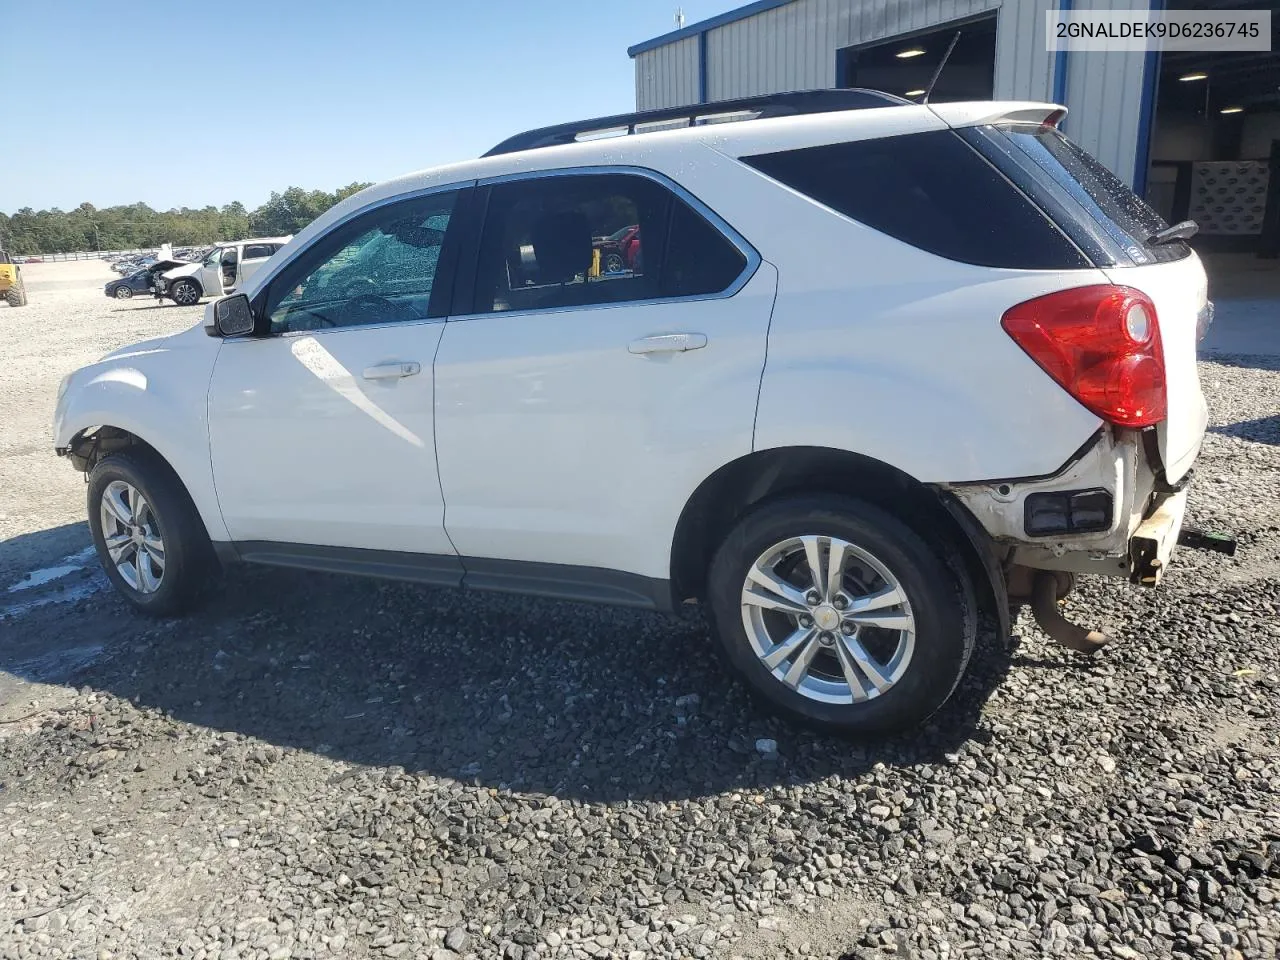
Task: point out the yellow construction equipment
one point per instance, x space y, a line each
12 288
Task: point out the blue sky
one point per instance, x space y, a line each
203 103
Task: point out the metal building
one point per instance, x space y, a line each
1213 108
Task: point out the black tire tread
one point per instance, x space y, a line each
187 280
947 601
188 550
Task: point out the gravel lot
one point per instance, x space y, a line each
315 766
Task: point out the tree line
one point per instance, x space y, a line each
29 232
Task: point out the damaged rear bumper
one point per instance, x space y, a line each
1105 512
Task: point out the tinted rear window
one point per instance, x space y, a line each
700 259
1096 191
931 190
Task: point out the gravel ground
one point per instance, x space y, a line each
315 766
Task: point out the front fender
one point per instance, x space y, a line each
159 394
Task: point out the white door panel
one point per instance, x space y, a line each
249 267
251 261
314 441
559 444
211 279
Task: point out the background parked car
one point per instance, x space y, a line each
129 265
222 270
620 250
140 281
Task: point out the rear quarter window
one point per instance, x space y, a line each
931 190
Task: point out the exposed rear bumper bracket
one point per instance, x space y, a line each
1152 543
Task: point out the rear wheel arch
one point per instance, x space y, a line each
745 484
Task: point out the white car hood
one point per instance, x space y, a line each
192 336
142 346
187 270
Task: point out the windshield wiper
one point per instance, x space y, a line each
1179 231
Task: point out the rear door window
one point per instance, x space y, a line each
1089 189
699 260
580 240
931 190
258 251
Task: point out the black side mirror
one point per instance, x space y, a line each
232 317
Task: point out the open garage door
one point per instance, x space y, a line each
1214 158
904 64
1215 146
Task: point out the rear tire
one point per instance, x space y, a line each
185 293
886 640
16 296
151 541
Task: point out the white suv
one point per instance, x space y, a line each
224 269
852 372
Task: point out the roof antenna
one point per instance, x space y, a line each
941 63
679 18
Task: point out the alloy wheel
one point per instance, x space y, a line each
828 619
132 536
185 294
123 293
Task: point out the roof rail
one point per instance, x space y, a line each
695 114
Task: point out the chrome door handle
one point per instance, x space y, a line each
668 343
391 371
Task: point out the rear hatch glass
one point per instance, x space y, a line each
1117 216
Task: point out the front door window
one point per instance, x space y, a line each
381 268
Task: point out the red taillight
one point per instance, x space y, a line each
1102 344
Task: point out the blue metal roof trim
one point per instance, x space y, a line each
702 26
1060 66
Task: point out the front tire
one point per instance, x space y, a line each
16 296
151 541
185 293
123 293
840 615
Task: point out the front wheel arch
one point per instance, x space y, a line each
91 445
163 580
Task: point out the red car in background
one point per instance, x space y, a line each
620 250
